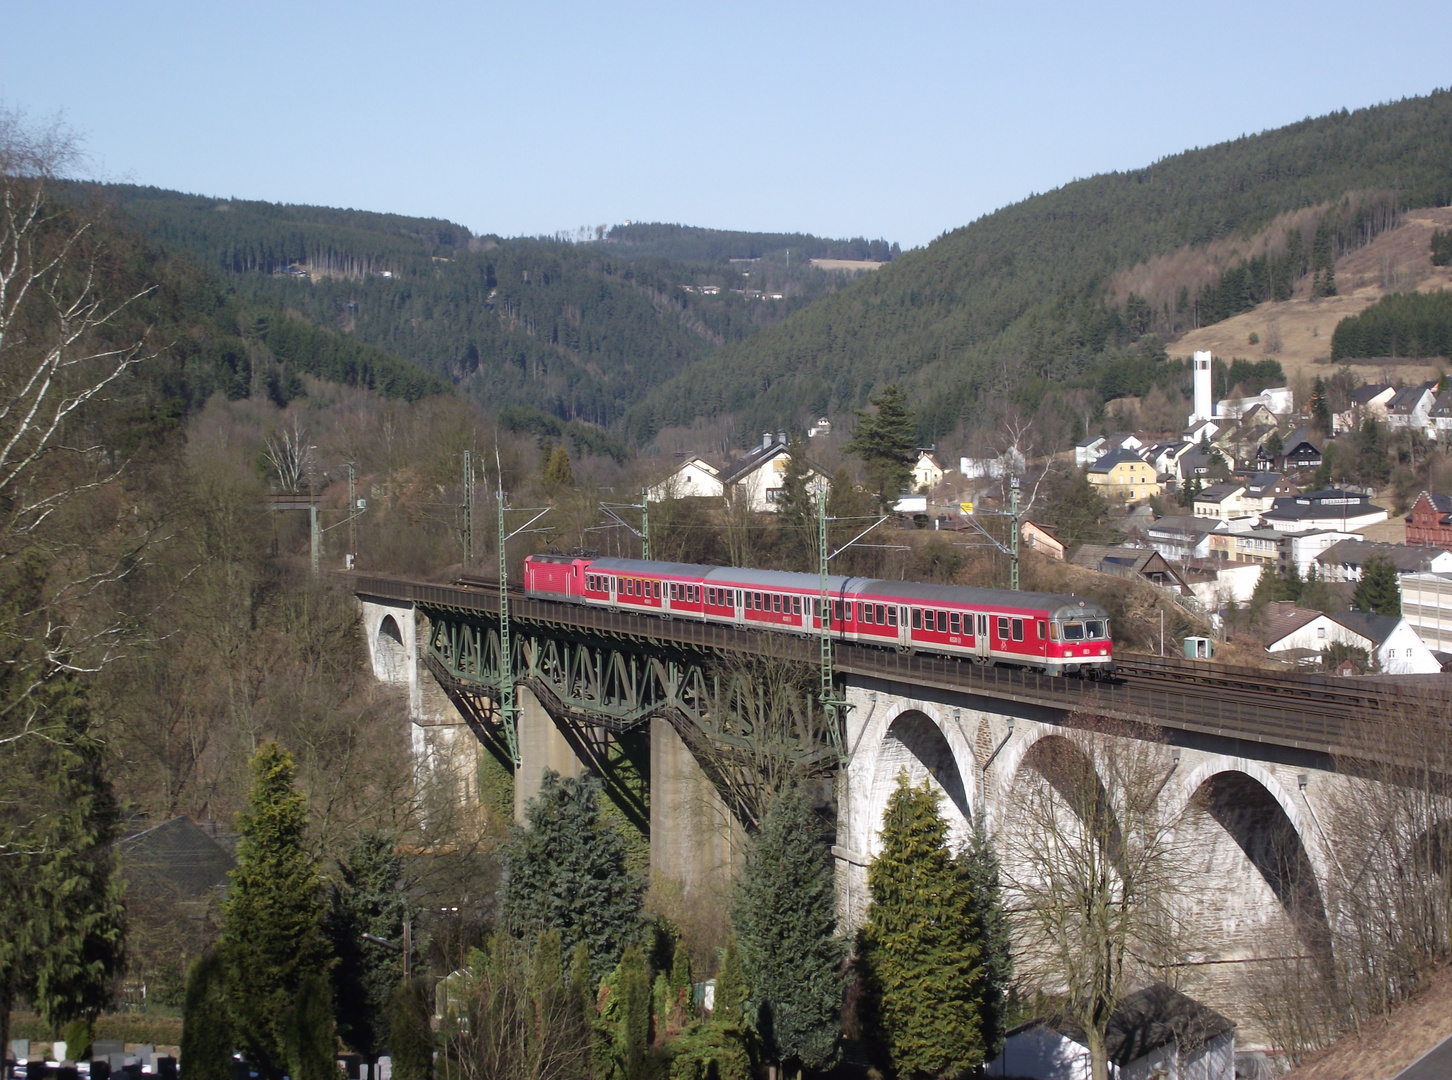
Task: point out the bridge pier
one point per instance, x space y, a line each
695 839
541 746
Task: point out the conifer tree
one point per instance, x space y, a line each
206 1038
410 1032
796 510
982 876
886 442
785 919
1320 407
311 1037
1378 591
77 917
558 472
369 899
566 870
272 920
630 1010
921 949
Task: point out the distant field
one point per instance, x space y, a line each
852 266
1297 332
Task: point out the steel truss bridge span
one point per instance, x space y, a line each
615 670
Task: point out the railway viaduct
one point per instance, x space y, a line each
641 702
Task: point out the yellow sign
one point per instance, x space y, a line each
966 507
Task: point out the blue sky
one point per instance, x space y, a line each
839 119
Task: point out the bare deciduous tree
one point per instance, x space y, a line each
1093 869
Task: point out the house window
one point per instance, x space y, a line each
1320 631
1409 654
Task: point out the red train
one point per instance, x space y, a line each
1055 634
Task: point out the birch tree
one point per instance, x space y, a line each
1094 869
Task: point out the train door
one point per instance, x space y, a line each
614 583
738 606
904 628
981 644
666 588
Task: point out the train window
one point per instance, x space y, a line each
1053 631
836 611
1002 628
866 614
942 622
1094 629
917 618
1073 631
891 614
796 605
955 623
1017 629
655 590
695 591
630 586
1042 632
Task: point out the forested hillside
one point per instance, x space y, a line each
579 331
1014 307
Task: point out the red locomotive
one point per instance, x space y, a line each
1055 634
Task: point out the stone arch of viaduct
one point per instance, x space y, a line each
1261 856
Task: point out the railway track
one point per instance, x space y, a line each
1312 712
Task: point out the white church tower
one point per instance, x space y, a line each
1204 406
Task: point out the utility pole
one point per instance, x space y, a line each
645 524
508 713
831 704
506 654
468 507
352 512
1013 540
316 536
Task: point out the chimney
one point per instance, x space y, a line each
781 437
766 440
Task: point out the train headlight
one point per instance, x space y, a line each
1103 652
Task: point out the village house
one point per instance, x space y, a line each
820 429
1010 462
757 478
1343 561
1299 550
1123 477
1216 583
1224 501
693 478
1134 563
1328 508
1180 537
1156 1032
1430 522
1088 451
1296 633
1041 539
1201 430
1411 409
1166 458
927 473
1442 416
1262 489
1367 402
1300 451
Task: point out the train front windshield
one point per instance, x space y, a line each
1088 630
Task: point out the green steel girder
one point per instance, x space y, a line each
617 682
